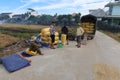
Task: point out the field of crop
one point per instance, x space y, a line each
6 40
22 26
21 31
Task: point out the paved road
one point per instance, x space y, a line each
69 63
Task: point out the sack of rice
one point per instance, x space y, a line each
63 39
44 30
89 31
91 24
56 34
46 34
44 38
30 52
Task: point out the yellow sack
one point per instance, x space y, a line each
46 34
91 24
63 39
56 34
86 24
44 38
44 30
86 29
30 52
89 31
83 24
45 42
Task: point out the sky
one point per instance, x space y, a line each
51 6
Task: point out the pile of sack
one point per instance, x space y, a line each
45 36
88 27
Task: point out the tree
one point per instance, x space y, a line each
33 19
46 19
77 17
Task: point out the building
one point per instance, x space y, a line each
113 17
99 13
17 16
5 16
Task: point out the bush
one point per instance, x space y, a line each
107 27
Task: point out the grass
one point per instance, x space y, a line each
115 36
19 34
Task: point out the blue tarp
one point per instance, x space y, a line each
25 54
14 62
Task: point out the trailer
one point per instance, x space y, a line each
89 25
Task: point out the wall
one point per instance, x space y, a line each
116 10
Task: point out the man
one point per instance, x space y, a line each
64 30
79 33
52 34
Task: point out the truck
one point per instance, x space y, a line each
88 23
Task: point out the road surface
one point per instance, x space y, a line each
70 63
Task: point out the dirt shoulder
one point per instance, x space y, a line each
10 45
6 40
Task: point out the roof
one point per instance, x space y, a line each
112 4
74 14
98 13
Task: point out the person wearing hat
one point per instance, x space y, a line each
34 46
79 33
52 34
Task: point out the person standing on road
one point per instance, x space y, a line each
52 34
65 31
79 33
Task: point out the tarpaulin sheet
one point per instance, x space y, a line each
14 62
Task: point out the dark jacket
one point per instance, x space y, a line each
64 30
